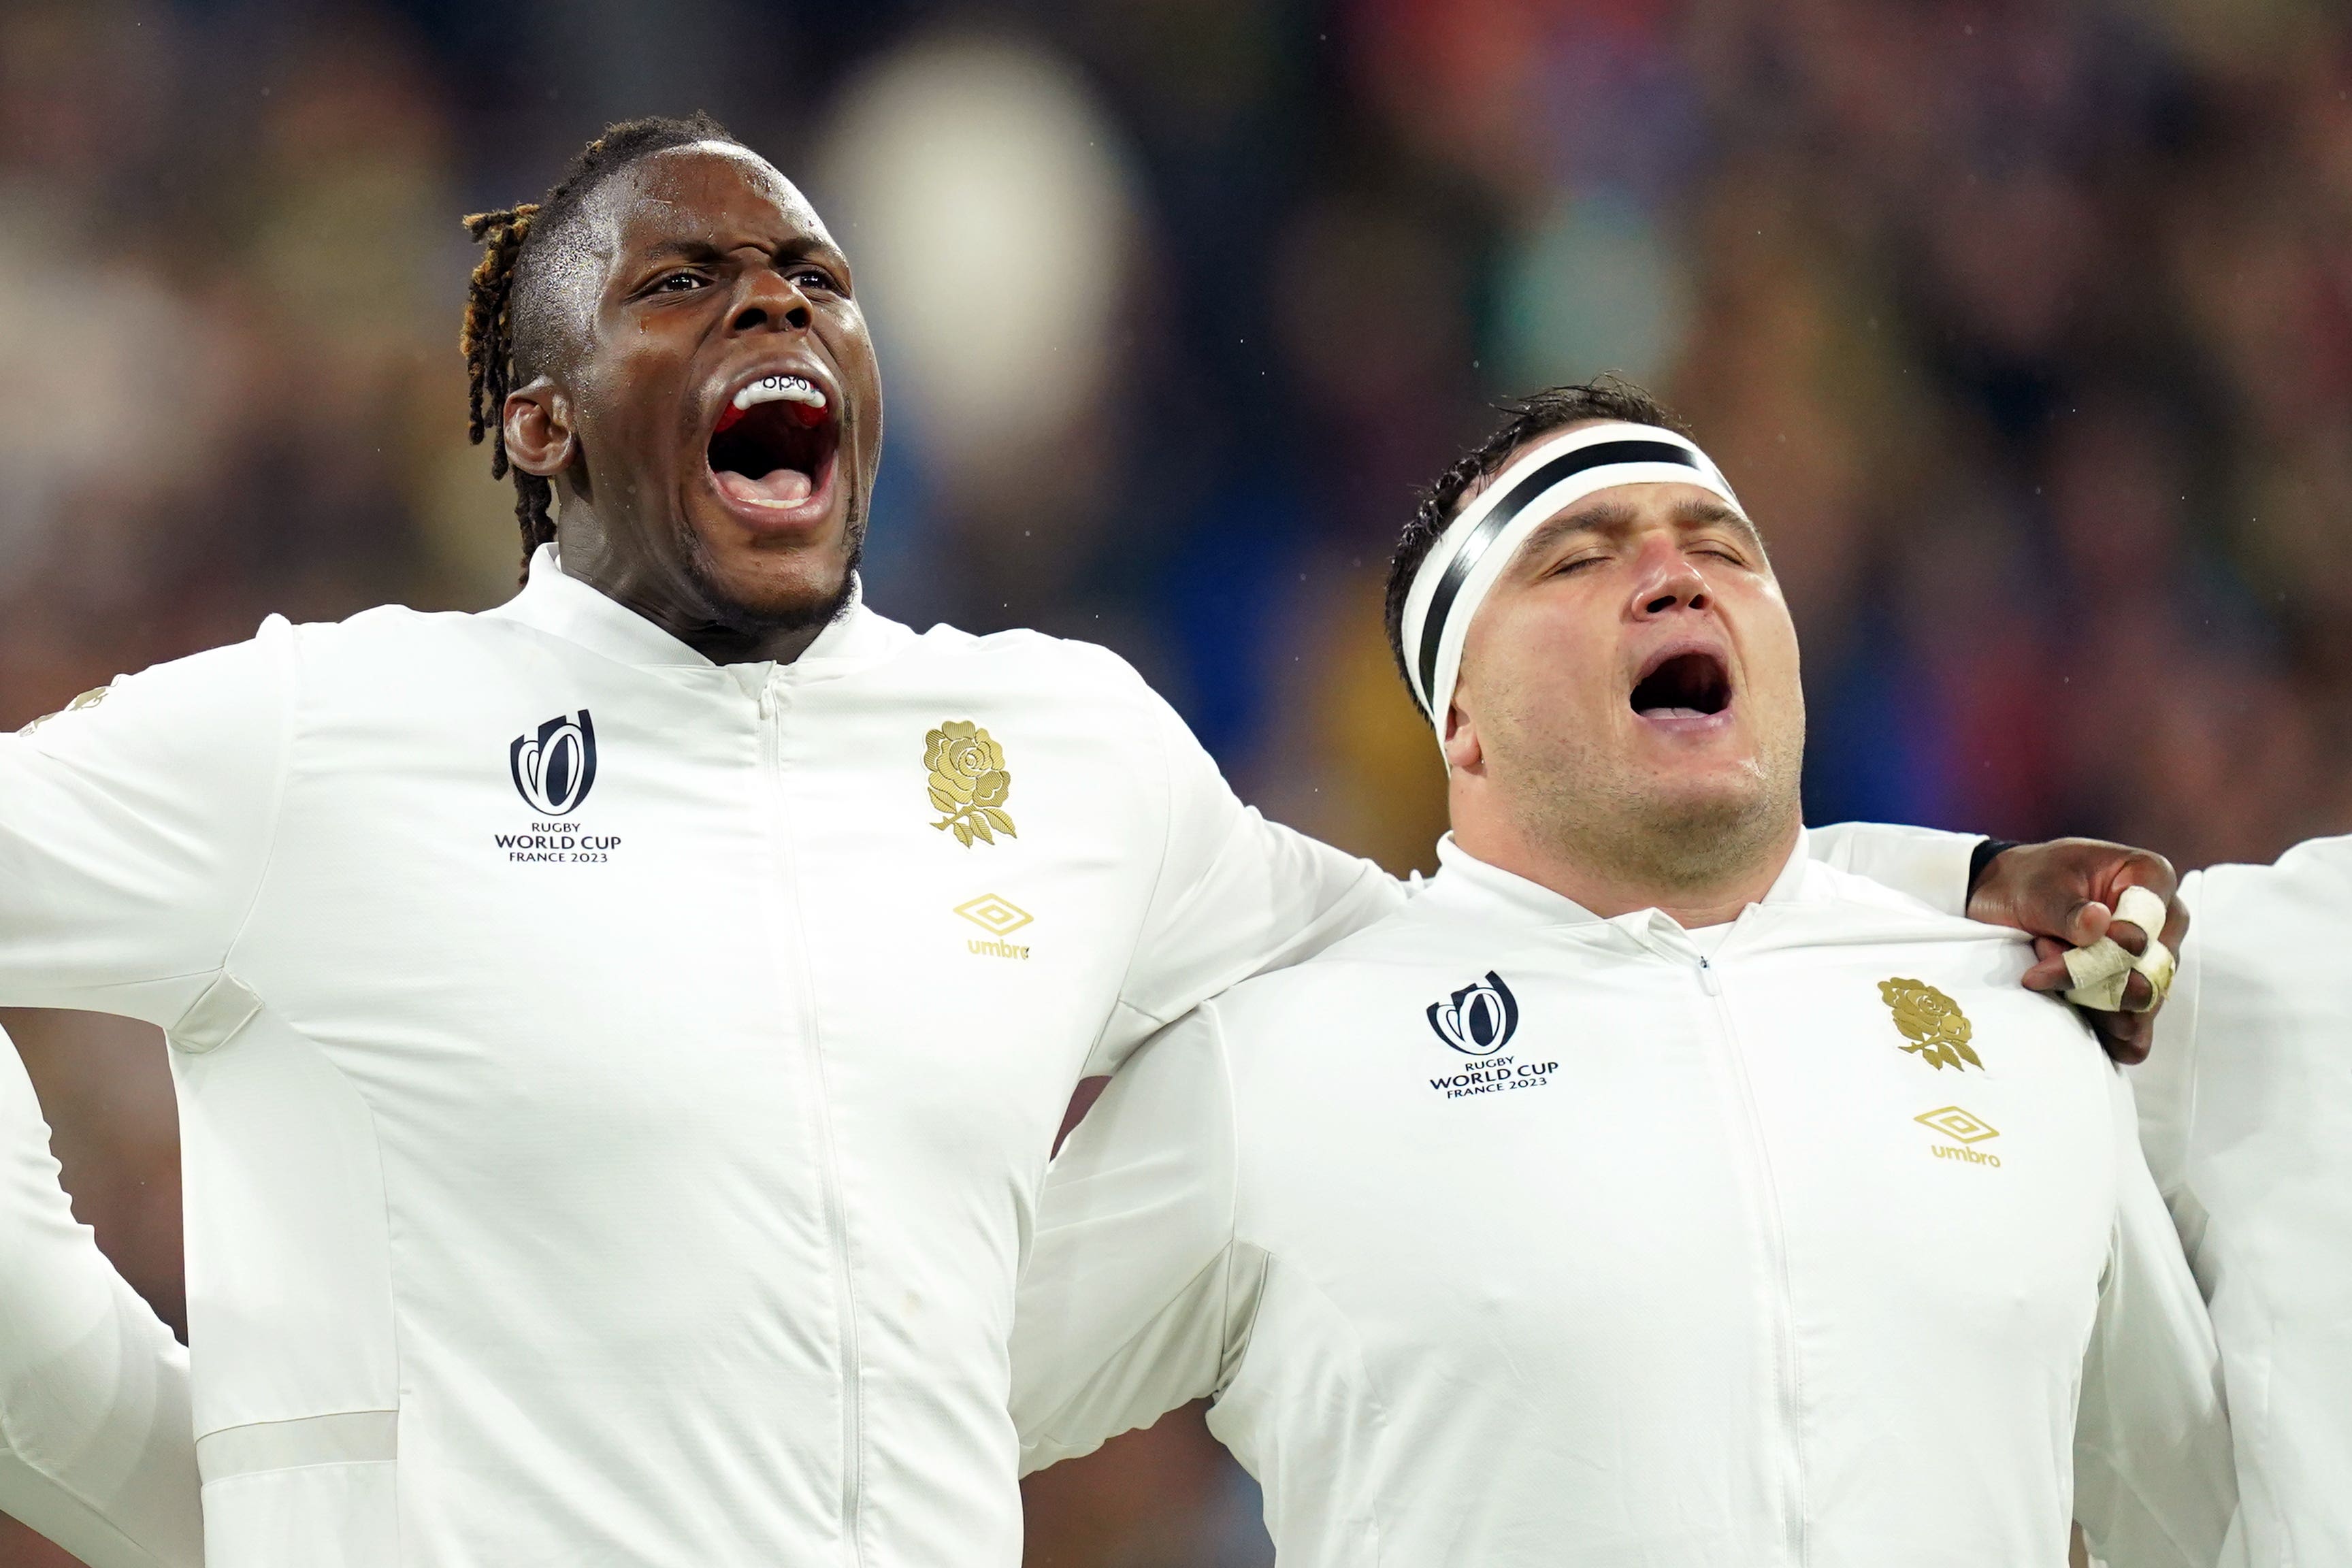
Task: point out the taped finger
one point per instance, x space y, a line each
2100 972
2158 965
2143 908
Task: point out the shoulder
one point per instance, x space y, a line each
396 632
1870 901
203 692
2312 877
1081 670
1409 956
1853 930
2328 858
1070 699
2282 925
393 648
260 658
1841 907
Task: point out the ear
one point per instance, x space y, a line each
539 440
1463 752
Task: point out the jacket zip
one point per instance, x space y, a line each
1776 1244
837 1218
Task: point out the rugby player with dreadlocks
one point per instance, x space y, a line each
619 1036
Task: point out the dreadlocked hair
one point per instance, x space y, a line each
505 333
486 338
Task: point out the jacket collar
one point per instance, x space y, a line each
563 607
1468 884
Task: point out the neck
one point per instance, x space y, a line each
1694 890
673 598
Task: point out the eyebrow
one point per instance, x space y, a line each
694 249
800 248
1613 517
1702 512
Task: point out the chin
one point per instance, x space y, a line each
1722 799
758 590
1717 771
1705 813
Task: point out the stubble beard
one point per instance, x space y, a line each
1678 845
721 614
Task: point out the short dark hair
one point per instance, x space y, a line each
1527 418
505 335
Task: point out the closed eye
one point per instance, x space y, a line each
1722 550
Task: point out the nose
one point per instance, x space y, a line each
771 301
1666 582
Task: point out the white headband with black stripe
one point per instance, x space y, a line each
1462 565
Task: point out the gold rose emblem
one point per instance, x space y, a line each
968 782
1932 1022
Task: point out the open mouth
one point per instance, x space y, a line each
1688 686
774 445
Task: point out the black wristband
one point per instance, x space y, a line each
1981 856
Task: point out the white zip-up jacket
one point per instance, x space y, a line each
94 1450
1506 1234
615 1087
2246 1112
611 1105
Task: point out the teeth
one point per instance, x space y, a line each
779 389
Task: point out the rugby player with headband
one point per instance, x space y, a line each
1553 475
1648 1189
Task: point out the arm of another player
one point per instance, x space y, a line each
2064 892
1133 1292
134 829
1237 896
2166 1084
2154 1476
1927 863
97 1442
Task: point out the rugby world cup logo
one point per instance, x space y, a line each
1479 1019
555 768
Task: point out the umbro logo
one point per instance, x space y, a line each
555 768
1967 1130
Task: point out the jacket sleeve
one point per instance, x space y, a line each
2165 1085
97 1441
2246 1117
2154 1482
1236 895
1133 1293
133 831
134 828
1928 864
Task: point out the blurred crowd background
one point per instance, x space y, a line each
2025 329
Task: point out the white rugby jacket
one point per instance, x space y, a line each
2246 1112
1506 1234
94 1434
615 1087
613 1104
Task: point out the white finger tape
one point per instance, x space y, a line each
2101 971
2142 909
2157 964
